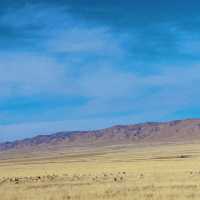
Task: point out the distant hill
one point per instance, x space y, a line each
173 131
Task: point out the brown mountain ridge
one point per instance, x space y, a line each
152 132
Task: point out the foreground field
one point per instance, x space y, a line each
117 172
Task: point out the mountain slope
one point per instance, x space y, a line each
173 131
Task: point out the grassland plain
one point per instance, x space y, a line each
156 172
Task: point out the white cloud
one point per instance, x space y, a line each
34 73
84 39
107 83
98 76
167 91
28 74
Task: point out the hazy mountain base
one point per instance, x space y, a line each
117 172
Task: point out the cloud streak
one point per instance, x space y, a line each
63 72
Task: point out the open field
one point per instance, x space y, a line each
130 172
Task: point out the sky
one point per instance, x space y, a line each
89 64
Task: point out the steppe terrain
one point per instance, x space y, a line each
162 170
116 172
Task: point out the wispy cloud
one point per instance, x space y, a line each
44 71
28 74
80 39
94 74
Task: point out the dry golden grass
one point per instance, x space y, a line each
160 172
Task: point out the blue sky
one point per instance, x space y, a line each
88 64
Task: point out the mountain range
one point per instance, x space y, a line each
151 132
